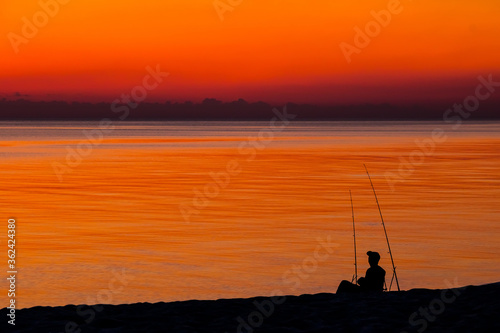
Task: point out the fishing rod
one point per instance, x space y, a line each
385 231
355 278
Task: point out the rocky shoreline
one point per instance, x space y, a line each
467 309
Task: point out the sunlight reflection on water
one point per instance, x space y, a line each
119 208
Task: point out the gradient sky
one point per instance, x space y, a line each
272 50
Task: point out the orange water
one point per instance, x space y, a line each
120 209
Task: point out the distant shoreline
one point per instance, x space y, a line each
213 110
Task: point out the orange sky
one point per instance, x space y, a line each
273 50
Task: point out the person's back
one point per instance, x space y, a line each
374 279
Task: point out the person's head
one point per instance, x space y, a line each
373 258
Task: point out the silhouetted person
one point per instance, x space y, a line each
372 282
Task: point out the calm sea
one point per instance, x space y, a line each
164 211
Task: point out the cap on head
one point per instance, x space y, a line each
373 256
